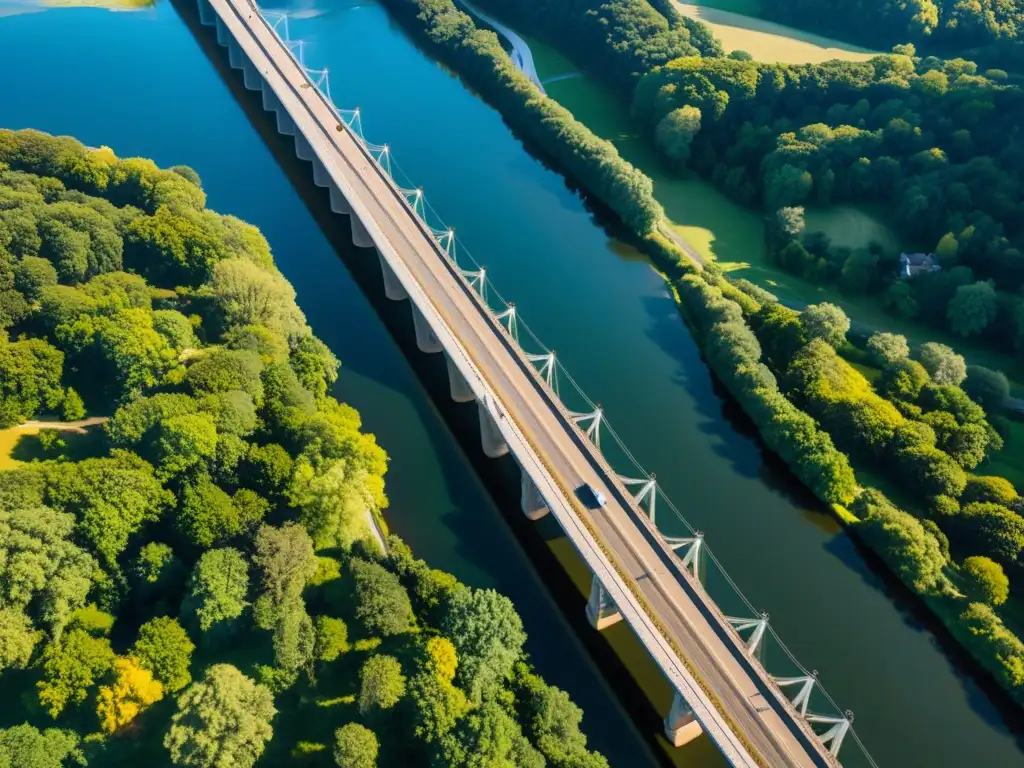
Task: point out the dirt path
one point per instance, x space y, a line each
66 426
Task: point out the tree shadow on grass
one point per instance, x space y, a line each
60 444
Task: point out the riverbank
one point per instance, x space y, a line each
836 485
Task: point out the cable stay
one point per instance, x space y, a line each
277 20
759 627
414 197
352 118
297 48
321 82
509 316
446 239
593 431
381 153
833 737
803 696
477 280
648 492
547 368
694 546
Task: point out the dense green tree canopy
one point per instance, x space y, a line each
355 746
488 635
223 719
165 649
384 605
222 418
218 588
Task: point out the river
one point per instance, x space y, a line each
141 84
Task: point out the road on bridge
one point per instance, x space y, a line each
771 729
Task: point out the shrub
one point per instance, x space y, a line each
997 490
985 581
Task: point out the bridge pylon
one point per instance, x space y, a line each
681 725
490 435
426 339
461 392
601 609
393 287
531 500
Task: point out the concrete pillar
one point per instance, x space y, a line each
207 16
285 124
270 101
252 79
236 58
320 176
601 608
393 287
338 202
223 36
360 235
460 389
303 148
533 504
426 339
681 727
494 442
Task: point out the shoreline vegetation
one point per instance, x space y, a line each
763 351
198 583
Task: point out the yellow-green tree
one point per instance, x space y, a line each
134 688
442 659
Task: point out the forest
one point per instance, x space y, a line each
992 27
959 541
936 144
620 39
196 580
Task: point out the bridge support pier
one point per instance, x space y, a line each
303 149
223 35
338 202
393 287
207 16
360 235
494 442
270 101
285 124
236 57
320 176
681 727
251 76
601 609
460 389
531 500
426 339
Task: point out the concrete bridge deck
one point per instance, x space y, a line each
719 688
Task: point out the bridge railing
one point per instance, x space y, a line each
799 687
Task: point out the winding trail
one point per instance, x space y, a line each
521 55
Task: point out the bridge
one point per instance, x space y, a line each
640 576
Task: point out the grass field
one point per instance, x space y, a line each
19 445
1009 462
735 24
9 439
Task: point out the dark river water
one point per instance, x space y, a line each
141 83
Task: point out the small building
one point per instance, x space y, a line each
914 264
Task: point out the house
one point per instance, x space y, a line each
914 264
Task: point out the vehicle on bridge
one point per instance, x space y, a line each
591 498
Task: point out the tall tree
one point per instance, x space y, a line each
222 720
